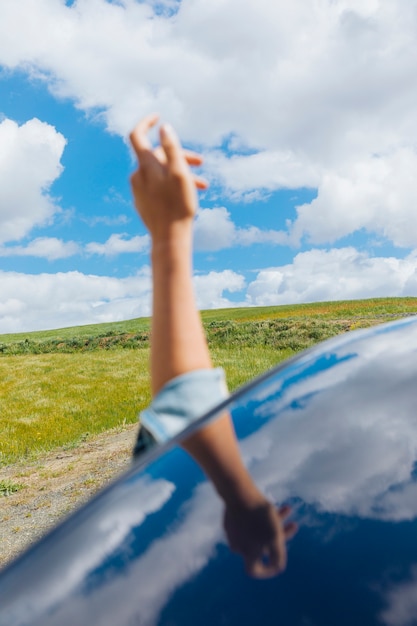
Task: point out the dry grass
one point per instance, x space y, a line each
52 400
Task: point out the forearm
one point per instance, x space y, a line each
179 346
216 449
178 343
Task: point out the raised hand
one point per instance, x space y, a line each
163 186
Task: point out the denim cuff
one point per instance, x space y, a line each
183 400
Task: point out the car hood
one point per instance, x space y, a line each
333 433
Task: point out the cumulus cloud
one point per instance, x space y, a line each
43 301
401 601
211 287
338 274
370 443
215 230
35 302
316 91
266 170
52 248
107 535
49 248
29 163
292 77
378 193
108 221
118 244
321 94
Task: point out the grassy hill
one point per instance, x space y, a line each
59 386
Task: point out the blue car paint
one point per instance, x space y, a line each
333 432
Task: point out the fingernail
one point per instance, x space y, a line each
168 132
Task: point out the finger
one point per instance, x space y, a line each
200 183
266 563
139 135
254 567
290 530
192 158
259 569
284 511
171 145
277 554
159 153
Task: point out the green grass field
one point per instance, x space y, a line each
59 386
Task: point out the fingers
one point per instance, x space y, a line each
290 530
271 560
171 145
277 553
267 561
169 152
200 183
192 158
139 135
284 511
264 567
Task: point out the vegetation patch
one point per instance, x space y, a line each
53 400
290 326
7 487
58 387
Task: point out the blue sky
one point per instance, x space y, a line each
305 113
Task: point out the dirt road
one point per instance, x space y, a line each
55 484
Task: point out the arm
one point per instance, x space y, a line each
165 196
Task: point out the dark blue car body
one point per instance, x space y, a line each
333 433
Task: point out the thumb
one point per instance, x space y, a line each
170 144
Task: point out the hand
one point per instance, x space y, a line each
259 534
163 186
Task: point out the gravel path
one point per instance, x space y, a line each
55 484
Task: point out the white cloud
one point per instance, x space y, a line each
44 247
210 287
308 78
173 559
316 90
118 244
29 163
108 221
52 248
34 302
401 601
266 170
370 444
214 230
44 301
106 536
378 193
338 274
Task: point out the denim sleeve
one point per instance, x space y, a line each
182 400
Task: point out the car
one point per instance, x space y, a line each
332 432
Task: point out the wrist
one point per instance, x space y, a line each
242 495
172 234
174 246
171 254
